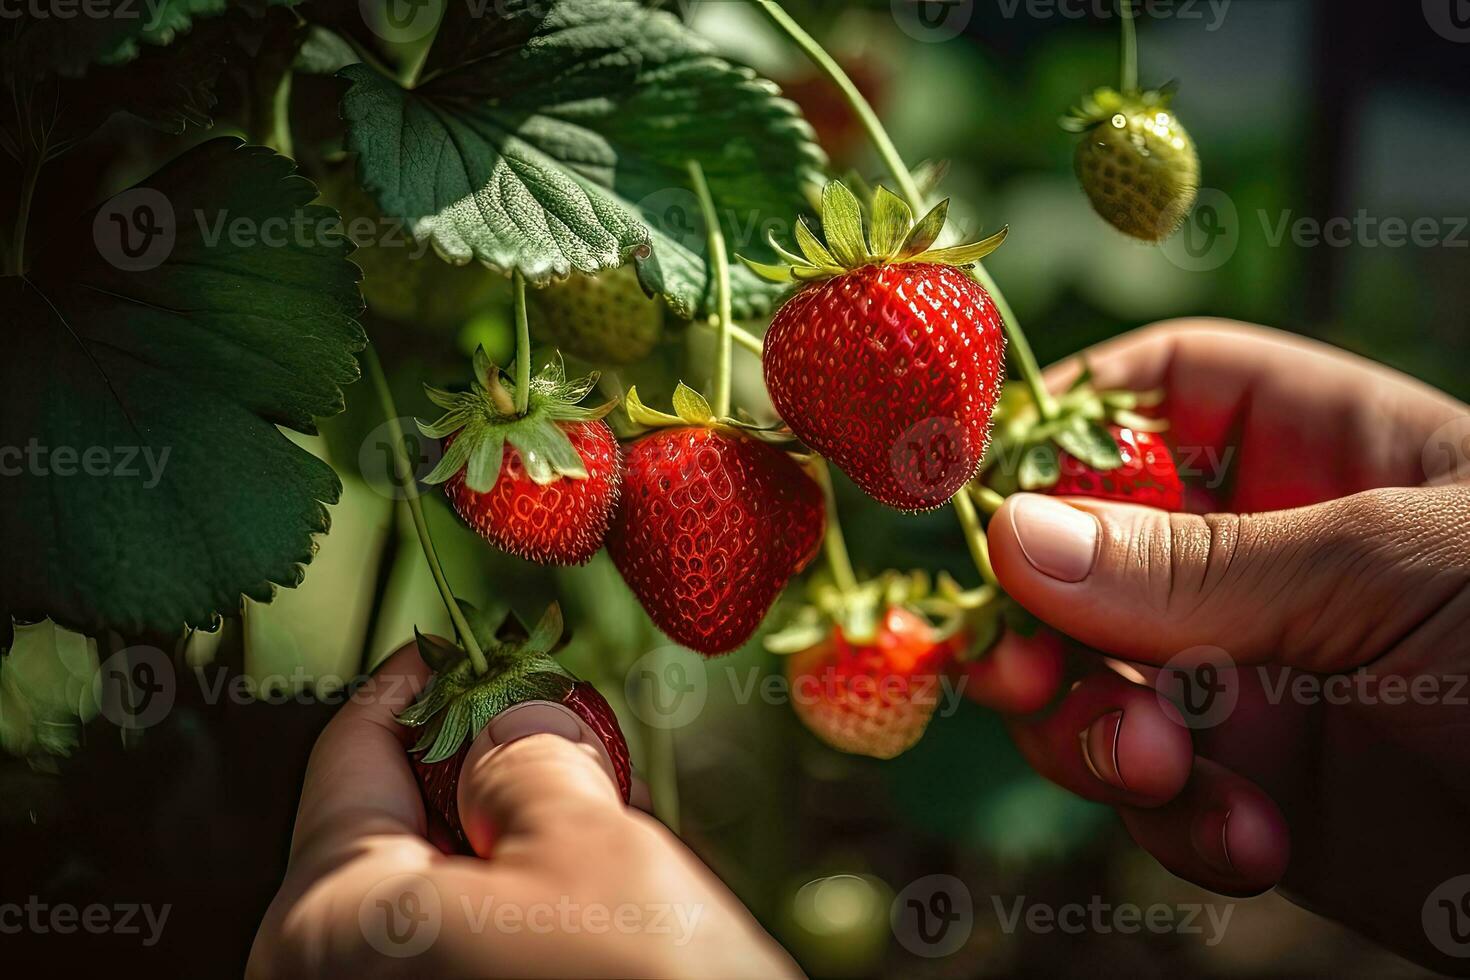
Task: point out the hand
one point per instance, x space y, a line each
568 881
1343 546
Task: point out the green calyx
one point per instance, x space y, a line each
1024 452
458 703
693 409
1105 103
858 611
892 236
483 419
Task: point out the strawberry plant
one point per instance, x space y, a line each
580 170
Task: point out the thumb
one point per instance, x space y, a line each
1326 587
536 767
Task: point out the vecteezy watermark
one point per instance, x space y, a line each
136 230
932 917
1446 454
1450 19
63 919
1446 917
1097 915
1203 466
375 457
1202 683
935 21
667 687
147 11
403 915
135 688
1209 237
124 462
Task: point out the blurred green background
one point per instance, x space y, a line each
1300 109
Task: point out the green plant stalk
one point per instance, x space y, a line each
16 264
833 541
964 508
988 499
893 162
403 474
741 336
523 346
1129 42
663 768
719 260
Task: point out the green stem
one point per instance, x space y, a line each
988 499
742 337
523 346
833 540
403 475
663 766
17 259
883 143
879 137
1129 55
720 262
964 508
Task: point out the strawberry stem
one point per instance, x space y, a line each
988 499
720 262
16 261
403 476
974 536
1129 48
893 162
833 541
523 345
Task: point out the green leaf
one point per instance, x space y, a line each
691 406
439 654
554 136
160 488
965 254
1040 467
925 231
483 468
892 219
1091 443
842 224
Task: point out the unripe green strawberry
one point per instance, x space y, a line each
604 319
1135 161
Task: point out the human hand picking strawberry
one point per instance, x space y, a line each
564 881
1339 548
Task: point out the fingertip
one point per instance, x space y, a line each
1018 675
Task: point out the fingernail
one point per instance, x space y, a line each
1100 748
1059 541
534 718
1211 837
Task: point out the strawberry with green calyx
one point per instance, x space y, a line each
865 665
542 484
1135 161
713 522
459 703
604 319
1096 445
890 360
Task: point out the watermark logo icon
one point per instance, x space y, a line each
667 687
933 916
135 231
674 213
1202 683
1446 456
401 21
375 456
932 21
1446 917
1450 19
401 916
928 454
1208 237
135 688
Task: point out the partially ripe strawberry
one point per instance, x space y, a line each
1147 476
712 524
605 319
1135 161
459 703
891 361
540 484
871 695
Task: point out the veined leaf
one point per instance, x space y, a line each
146 483
555 136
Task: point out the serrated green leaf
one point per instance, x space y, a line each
1090 443
892 219
554 137
190 364
1040 467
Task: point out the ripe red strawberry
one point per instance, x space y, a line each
439 781
872 696
459 702
557 523
712 525
541 483
1148 475
891 365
